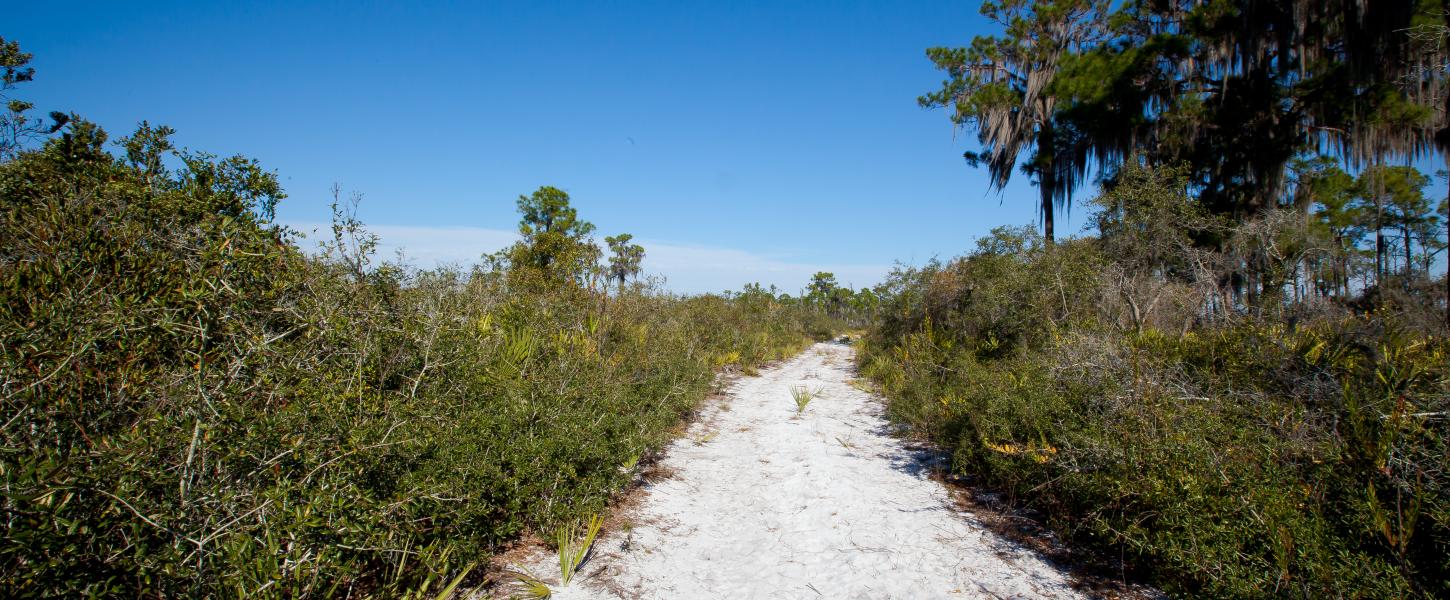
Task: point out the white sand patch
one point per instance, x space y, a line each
765 504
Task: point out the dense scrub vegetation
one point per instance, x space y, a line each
1240 385
194 407
1117 386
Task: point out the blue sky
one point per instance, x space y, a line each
740 141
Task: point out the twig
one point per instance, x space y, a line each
349 453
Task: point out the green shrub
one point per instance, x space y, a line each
194 407
1248 458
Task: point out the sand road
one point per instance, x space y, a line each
765 503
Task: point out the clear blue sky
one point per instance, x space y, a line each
740 141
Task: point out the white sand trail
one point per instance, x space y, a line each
765 504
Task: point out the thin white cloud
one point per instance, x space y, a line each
693 269
422 246
687 268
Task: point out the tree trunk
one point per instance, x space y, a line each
1409 260
1294 281
1442 140
1379 224
1046 176
1379 240
1047 219
1340 267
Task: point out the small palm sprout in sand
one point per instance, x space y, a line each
529 586
803 396
630 463
575 542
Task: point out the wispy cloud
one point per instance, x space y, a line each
691 268
424 246
686 268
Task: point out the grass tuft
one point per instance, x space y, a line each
575 541
803 396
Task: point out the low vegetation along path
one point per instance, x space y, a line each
762 502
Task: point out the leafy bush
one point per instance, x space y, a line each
1246 457
194 407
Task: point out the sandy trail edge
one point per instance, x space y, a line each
765 504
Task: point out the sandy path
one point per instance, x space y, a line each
763 504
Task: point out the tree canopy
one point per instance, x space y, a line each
1233 89
625 258
555 240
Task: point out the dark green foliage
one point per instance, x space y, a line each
194 408
1232 90
1237 457
556 246
824 292
1000 86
